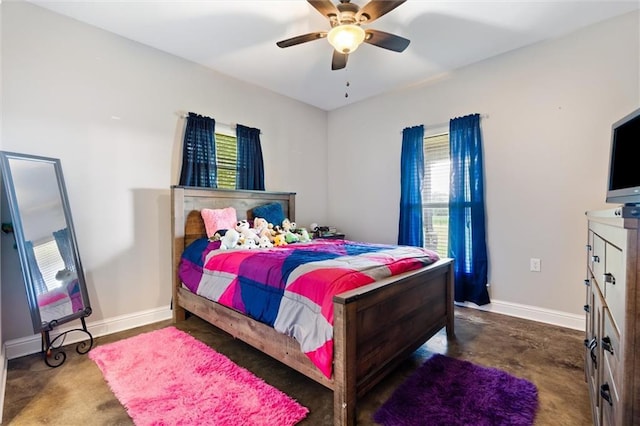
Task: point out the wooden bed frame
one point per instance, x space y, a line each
375 327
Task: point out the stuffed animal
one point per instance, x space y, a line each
230 240
272 231
218 235
248 244
265 242
289 235
279 240
242 227
261 228
303 234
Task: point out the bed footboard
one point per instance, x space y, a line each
377 326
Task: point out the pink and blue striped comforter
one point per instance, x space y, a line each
291 288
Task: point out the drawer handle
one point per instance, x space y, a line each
605 393
606 344
587 282
595 258
586 308
588 247
609 278
592 347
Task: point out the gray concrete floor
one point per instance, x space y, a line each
549 356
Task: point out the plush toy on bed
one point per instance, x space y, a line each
272 231
247 244
265 242
298 232
289 235
279 240
243 228
218 235
229 240
302 234
261 228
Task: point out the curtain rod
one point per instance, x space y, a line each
431 126
230 126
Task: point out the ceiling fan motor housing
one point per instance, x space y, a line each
348 13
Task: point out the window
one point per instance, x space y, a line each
435 193
49 261
226 157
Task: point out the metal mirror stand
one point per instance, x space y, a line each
46 243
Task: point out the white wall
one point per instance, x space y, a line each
546 143
109 109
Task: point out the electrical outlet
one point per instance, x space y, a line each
534 265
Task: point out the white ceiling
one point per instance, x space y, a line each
238 38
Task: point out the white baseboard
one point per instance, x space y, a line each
32 344
533 313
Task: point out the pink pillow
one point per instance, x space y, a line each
216 219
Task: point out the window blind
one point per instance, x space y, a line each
226 156
435 193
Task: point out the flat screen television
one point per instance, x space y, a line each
624 161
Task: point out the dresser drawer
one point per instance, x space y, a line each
611 349
609 399
593 358
615 285
597 260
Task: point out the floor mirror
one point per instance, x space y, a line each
45 239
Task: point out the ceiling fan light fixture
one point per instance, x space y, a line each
346 38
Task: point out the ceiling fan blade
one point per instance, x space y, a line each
339 60
325 7
301 39
376 8
386 40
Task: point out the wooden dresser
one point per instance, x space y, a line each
612 343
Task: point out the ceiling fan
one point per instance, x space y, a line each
346 32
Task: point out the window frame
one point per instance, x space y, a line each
229 168
441 247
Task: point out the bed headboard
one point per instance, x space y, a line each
187 224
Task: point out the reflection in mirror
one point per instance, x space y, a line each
45 239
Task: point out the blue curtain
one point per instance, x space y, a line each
64 247
411 173
250 168
34 269
199 152
467 242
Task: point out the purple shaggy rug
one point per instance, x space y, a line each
448 391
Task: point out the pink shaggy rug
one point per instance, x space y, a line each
167 377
